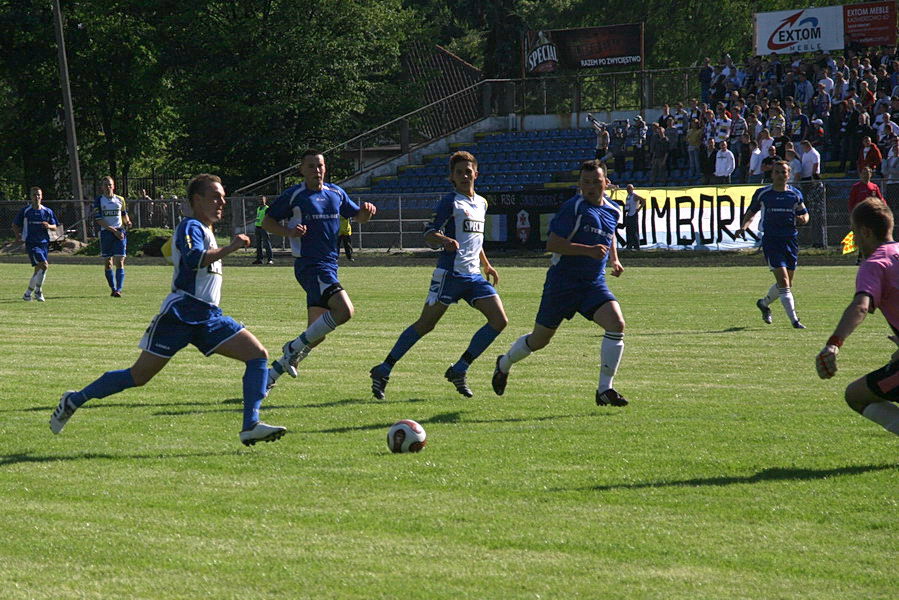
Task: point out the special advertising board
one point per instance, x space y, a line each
583 48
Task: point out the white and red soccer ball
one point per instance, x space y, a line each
406 436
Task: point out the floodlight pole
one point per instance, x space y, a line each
71 139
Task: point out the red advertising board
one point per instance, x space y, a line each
870 23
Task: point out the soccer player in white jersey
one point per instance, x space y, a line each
32 225
191 314
111 216
458 227
582 240
874 396
313 210
782 210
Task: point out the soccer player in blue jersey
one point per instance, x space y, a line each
191 314
458 227
111 216
33 225
782 210
582 240
313 210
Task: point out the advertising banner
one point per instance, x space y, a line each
806 30
586 47
870 24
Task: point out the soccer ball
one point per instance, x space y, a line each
406 436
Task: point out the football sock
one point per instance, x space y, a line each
32 283
518 351
254 382
885 414
109 383
481 339
39 278
405 342
321 327
119 278
786 298
609 358
109 274
773 293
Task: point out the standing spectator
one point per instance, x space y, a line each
658 151
795 166
847 132
633 204
724 164
32 225
755 163
694 146
768 164
865 95
705 79
603 139
765 141
707 160
816 132
637 138
738 127
618 146
263 241
811 162
799 125
869 156
345 235
864 188
826 81
886 133
111 217
780 141
743 157
674 142
804 90
890 169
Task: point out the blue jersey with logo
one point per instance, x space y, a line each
189 245
583 223
461 218
29 220
778 210
320 212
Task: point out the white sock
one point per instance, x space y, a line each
39 279
32 283
786 298
885 414
321 327
773 293
518 351
609 358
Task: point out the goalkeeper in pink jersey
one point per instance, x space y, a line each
874 396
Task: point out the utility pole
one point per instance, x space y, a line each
71 139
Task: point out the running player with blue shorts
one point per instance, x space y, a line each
33 225
782 210
582 240
190 314
313 210
874 396
458 227
111 216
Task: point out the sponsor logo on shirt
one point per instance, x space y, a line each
472 226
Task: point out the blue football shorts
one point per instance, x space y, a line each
448 287
167 334
319 281
564 295
38 253
781 252
110 245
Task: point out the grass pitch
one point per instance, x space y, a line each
734 473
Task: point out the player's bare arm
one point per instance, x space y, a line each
802 219
617 268
747 218
240 241
489 272
366 212
560 245
273 226
855 313
435 238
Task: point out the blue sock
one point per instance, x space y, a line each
119 278
109 383
406 340
481 339
109 280
254 380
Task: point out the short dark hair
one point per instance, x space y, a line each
34 188
199 185
309 152
873 213
592 165
461 156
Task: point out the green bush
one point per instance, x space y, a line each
136 240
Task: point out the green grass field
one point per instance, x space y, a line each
734 473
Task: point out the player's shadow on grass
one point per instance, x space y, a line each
695 332
452 418
765 475
367 401
235 401
100 404
27 457
49 298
